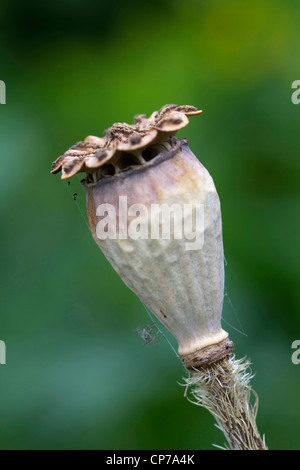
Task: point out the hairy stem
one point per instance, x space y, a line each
224 389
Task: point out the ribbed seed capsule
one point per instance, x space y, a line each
154 211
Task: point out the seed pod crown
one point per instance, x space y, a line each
122 143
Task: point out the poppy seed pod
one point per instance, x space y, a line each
154 212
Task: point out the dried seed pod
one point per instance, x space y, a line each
132 173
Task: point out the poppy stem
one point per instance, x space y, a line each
224 389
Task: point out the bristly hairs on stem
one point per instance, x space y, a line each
224 389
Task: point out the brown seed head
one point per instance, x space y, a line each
121 139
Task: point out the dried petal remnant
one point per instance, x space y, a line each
121 138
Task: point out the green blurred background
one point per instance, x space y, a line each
77 376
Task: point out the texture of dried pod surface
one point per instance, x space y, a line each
183 288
